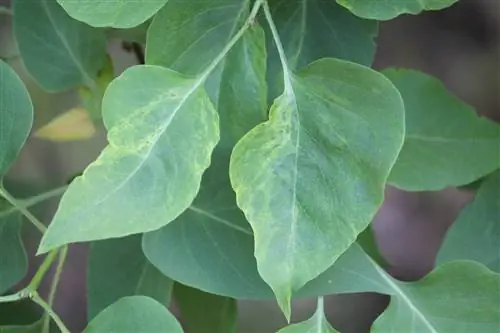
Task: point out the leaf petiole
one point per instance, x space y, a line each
13 201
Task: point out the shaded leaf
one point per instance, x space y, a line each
134 314
386 10
116 13
118 268
476 233
205 313
33 328
446 143
161 136
72 125
310 180
59 52
16 116
316 324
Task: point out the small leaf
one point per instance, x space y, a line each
13 260
16 116
476 233
316 324
72 125
311 178
116 13
386 10
59 52
161 138
446 143
118 268
134 314
205 313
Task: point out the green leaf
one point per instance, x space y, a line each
205 313
118 268
197 32
13 259
59 52
161 138
116 13
476 233
457 297
316 324
310 180
134 314
446 143
33 328
16 116
386 10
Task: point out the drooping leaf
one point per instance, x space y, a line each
204 312
197 32
13 259
161 136
476 233
311 178
386 10
59 52
134 314
117 268
446 143
457 297
189 249
16 116
72 125
115 13
315 29
316 324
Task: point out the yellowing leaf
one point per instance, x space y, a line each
73 125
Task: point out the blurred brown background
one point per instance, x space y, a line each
460 46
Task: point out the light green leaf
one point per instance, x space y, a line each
190 248
457 297
316 324
386 10
203 312
446 143
13 260
59 52
134 314
197 32
16 116
476 233
311 178
161 138
112 13
33 328
118 268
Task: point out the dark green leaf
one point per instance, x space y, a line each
118 268
311 178
13 260
16 116
386 10
59 52
446 143
33 328
205 313
476 233
134 314
161 135
116 13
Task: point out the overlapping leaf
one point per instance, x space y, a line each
16 116
204 312
316 324
311 178
476 233
33 328
117 268
161 135
446 143
57 51
386 10
134 314
116 13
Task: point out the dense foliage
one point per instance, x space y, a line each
246 159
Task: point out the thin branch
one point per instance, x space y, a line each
38 300
53 288
42 270
13 201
